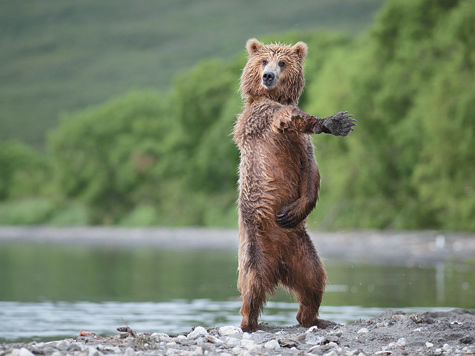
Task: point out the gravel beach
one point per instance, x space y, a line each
391 333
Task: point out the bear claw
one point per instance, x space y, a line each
340 124
287 220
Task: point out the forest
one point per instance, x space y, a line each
166 157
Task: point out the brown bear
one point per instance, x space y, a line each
279 182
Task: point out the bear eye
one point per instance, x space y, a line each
264 62
281 64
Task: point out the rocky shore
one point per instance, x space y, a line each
391 333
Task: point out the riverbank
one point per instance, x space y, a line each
391 333
407 248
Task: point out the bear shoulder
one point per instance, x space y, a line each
255 120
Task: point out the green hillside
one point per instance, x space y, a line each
60 56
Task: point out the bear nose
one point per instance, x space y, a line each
268 76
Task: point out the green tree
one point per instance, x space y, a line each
113 157
388 78
24 172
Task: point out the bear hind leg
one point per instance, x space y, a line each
306 276
253 299
307 315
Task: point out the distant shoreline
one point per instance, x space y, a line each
386 247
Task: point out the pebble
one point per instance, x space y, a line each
161 336
214 340
62 345
197 332
429 344
401 342
236 350
337 332
313 339
312 329
197 351
21 352
391 345
129 351
363 331
76 347
229 330
397 317
446 348
94 352
272 345
249 344
232 341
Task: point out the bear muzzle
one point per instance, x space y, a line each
270 79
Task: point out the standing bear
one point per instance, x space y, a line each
279 182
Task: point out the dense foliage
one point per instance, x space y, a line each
151 158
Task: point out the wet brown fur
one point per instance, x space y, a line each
278 175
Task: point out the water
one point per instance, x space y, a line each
49 291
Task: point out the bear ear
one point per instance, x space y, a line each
301 49
253 46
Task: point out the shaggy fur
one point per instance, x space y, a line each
279 182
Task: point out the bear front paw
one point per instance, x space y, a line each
340 124
287 218
282 124
283 119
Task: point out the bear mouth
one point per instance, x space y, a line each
269 85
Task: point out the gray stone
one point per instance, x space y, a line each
401 342
197 332
21 352
314 339
229 330
62 345
272 345
129 351
249 344
160 336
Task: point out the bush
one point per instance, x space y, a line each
26 211
24 172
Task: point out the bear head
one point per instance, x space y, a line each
274 71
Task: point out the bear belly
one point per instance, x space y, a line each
269 179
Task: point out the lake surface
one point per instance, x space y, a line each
50 291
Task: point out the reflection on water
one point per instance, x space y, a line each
44 289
